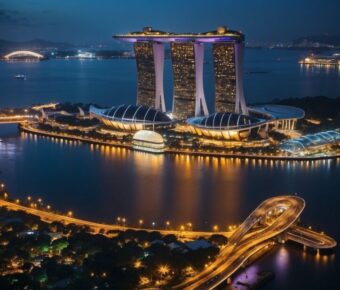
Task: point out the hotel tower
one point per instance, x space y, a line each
187 56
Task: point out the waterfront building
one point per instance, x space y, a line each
187 65
150 62
225 125
228 70
187 55
282 117
321 60
149 141
132 117
310 143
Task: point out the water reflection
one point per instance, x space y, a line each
180 188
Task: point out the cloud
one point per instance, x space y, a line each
13 17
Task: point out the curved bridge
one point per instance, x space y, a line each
21 53
272 218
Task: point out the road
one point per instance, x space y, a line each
269 220
272 218
310 238
49 216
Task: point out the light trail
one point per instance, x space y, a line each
272 218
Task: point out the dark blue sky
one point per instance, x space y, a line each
86 21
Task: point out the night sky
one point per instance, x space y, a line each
94 21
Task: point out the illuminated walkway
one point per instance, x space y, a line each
274 218
29 128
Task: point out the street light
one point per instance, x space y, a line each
140 222
70 213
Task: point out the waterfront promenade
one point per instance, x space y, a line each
28 128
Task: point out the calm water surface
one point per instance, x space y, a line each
102 183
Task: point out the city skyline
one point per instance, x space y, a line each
169 144
57 21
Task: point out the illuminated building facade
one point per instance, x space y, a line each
148 141
187 65
225 126
187 54
150 62
131 117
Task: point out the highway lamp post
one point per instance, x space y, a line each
140 222
153 224
124 220
167 224
2 185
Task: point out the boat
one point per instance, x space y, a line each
20 77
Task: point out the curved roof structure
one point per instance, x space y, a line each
132 113
223 121
278 111
21 53
148 136
222 33
303 142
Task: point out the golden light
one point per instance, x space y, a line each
140 222
182 228
137 264
48 207
144 280
215 228
29 198
167 223
17 201
70 213
163 269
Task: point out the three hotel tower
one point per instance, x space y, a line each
187 55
